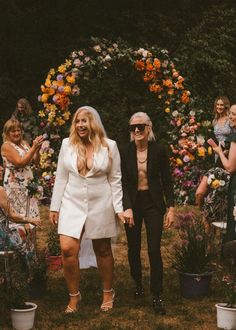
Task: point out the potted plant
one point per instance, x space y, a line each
38 280
191 256
226 312
14 294
54 260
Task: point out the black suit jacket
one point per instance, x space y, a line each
158 174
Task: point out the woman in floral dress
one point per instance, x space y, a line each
212 190
229 164
17 157
11 239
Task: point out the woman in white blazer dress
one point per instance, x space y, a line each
86 200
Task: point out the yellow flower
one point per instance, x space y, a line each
70 79
48 82
52 72
209 150
179 162
44 97
62 68
60 121
215 184
201 151
66 115
41 113
167 110
67 89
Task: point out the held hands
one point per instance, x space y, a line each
128 217
169 218
53 217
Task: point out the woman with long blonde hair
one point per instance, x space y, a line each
86 200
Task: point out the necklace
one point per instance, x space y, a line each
142 161
141 150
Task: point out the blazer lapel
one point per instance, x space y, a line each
150 155
133 159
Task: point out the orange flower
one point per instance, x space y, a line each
155 88
139 65
184 98
149 67
167 83
201 151
157 63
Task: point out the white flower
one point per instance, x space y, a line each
200 139
192 113
186 159
107 57
222 183
77 62
81 53
210 178
97 48
175 113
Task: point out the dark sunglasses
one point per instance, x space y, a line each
140 127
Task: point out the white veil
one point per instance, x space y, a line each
95 115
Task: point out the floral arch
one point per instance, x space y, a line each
162 78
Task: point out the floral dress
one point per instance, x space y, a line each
15 183
231 223
215 203
15 239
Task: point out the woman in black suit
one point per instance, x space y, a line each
147 189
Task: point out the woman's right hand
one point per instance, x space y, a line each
53 217
38 142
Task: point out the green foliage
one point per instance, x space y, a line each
13 284
190 254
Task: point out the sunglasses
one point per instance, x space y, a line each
140 127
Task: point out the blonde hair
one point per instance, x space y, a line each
146 118
27 107
226 102
9 126
96 135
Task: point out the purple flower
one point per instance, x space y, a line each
199 237
59 77
61 89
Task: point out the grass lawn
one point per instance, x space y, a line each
127 313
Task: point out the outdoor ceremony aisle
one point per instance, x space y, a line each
182 314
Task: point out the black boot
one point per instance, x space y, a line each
139 292
158 305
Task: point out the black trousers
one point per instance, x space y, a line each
145 210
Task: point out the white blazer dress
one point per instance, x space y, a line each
91 201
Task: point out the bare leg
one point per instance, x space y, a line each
70 249
105 262
201 191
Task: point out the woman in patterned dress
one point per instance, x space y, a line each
11 239
17 157
229 164
208 198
